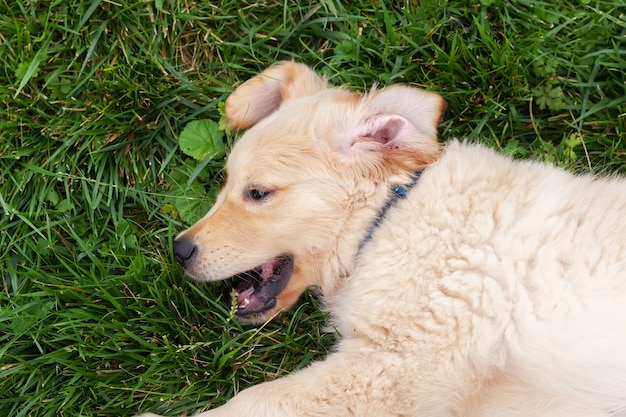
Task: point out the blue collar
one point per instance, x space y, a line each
399 192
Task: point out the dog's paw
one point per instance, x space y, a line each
148 415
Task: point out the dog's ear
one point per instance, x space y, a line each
398 121
261 95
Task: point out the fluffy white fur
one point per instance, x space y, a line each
496 288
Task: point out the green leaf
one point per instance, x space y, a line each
25 72
345 51
189 203
64 205
53 197
124 227
202 139
194 204
223 122
548 97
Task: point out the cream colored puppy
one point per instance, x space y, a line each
463 283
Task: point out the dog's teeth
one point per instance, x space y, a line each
245 303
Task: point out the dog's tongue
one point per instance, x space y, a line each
246 296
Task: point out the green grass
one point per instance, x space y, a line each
96 319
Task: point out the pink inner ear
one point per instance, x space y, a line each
269 98
388 130
384 128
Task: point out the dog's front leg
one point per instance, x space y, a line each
370 384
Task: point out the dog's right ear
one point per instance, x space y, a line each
263 94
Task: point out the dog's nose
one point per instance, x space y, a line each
184 250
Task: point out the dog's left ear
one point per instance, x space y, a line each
398 122
260 96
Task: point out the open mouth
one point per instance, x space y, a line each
256 290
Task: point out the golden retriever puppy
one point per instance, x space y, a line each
463 283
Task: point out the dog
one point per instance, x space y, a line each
462 282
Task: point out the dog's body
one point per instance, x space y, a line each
485 287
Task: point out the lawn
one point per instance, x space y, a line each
96 318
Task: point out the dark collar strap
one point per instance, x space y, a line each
398 192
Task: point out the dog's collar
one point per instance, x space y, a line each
397 193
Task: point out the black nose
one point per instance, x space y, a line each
184 250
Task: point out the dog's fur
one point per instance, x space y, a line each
495 288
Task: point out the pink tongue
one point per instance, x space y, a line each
267 270
244 294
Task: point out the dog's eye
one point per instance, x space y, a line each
258 195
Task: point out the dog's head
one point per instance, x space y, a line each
304 182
